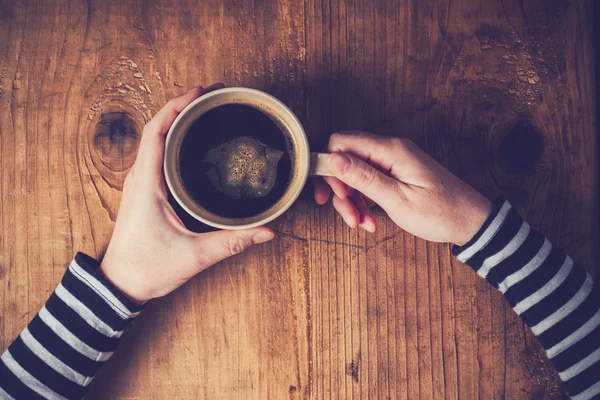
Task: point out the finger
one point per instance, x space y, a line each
347 210
367 222
152 146
367 146
322 191
164 118
339 188
219 245
364 178
389 154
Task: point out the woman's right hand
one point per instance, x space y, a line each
416 192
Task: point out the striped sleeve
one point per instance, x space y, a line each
78 329
554 296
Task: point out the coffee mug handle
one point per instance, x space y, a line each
318 165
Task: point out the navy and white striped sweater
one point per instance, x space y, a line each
556 298
78 329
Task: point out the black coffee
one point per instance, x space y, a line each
222 129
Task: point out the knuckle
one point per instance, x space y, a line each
236 246
171 103
333 139
364 177
335 136
398 142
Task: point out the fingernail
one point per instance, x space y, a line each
339 163
262 237
368 226
351 222
322 199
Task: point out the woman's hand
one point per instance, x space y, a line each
151 252
417 193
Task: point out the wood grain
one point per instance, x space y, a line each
501 92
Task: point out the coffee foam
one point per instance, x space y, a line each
243 167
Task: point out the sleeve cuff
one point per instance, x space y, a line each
94 288
500 210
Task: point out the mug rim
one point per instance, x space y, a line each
282 113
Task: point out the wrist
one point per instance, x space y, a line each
472 219
122 283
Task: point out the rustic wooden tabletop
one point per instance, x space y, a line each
501 92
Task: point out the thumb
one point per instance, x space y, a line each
362 177
219 245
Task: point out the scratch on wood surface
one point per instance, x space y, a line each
384 239
85 50
334 242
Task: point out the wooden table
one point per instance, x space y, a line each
501 92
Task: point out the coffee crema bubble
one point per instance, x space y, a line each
235 161
243 167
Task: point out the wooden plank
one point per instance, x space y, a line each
323 311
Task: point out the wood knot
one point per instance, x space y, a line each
116 139
521 149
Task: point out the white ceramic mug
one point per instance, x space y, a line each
305 163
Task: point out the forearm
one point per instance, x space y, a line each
555 297
78 329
